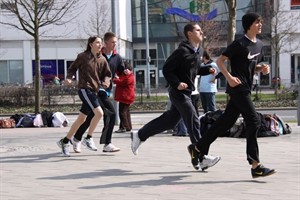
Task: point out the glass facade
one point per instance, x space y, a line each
11 72
160 24
50 69
167 19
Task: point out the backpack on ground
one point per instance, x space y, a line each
237 130
286 129
59 120
269 126
207 119
16 117
26 121
47 117
7 123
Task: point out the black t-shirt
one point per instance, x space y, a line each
244 55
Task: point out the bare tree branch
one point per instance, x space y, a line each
283 33
97 20
32 15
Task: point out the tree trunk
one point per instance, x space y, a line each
276 85
231 20
231 27
38 79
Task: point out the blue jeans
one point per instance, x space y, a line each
181 128
208 101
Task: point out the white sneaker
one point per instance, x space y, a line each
110 148
209 161
65 148
90 144
135 142
76 145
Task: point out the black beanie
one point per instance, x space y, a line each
248 20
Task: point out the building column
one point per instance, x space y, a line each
27 62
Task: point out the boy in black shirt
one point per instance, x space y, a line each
244 55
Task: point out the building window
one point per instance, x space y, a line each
12 72
139 55
4 72
295 5
50 69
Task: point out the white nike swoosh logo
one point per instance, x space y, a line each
250 57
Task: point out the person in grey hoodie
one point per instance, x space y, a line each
180 70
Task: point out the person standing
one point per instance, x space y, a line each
116 64
245 55
125 95
180 70
208 85
255 81
94 73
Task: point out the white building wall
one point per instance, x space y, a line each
65 42
285 57
285 62
27 61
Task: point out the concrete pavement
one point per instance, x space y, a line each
32 167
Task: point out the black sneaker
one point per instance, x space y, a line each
194 156
261 171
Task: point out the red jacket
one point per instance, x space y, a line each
125 88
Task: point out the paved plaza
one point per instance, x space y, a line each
32 167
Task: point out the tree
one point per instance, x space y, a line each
283 33
98 18
32 16
231 4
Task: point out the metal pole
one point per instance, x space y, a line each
147 49
113 16
298 109
114 29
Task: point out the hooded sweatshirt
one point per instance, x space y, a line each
183 65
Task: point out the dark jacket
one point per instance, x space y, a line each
183 65
92 71
116 65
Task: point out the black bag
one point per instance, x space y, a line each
26 121
16 117
237 130
47 117
268 126
208 119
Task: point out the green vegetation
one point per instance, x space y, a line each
219 98
154 102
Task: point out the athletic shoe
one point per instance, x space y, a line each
209 161
194 156
89 143
135 142
110 148
261 171
120 131
65 148
76 145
